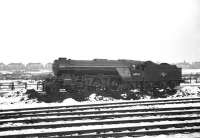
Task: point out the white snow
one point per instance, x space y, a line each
188 91
190 71
192 135
40 72
18 99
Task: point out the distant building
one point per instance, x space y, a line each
48 66
34 67
195 65
184 65
2 66
15 67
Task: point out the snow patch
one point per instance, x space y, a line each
16 97
94 97
188 91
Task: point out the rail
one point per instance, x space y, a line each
113 122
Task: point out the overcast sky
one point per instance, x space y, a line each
43 30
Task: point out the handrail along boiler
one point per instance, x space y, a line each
80 78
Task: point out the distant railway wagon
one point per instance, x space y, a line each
117 78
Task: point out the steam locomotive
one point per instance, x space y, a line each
117 78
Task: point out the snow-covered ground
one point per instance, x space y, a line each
192 135
190 71
19 99
40 72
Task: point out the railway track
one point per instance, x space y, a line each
8 112
104 104
104 120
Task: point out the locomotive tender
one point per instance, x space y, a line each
116 78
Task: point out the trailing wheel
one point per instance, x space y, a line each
119 89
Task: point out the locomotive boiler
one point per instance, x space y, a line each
116 78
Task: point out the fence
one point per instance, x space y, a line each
191 78
38 86
23 85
